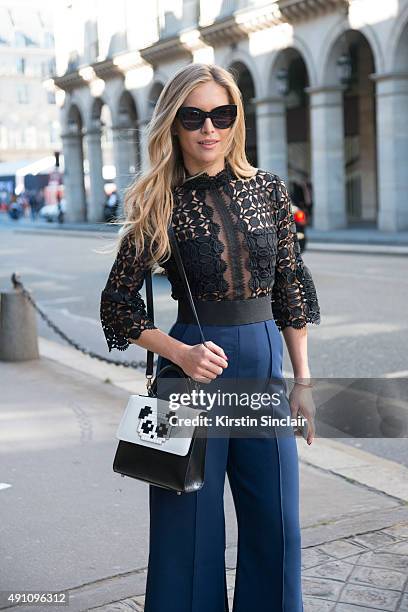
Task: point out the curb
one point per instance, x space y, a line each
358 466
357 248
126 378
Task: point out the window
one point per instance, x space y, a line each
3 137
48 68
21 65
22 93
30 137
51 97
23 40
54 132
49 40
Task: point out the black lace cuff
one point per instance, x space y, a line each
122 309
122 320
301 307
294 297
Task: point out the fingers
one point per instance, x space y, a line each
217 354
210 361
210 370
204 375
311 432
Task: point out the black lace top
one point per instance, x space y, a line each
237 239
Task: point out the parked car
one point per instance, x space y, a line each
301 221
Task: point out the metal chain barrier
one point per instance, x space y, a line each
17 284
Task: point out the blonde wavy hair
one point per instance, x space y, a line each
148 201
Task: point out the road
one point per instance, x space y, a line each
363 297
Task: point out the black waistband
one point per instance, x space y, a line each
226 312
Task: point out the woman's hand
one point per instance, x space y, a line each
202 363
301 403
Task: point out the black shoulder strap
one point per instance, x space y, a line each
149 295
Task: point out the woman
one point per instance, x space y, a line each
238 243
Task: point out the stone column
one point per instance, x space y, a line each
95 159
327 149
74 176
272 138
392 150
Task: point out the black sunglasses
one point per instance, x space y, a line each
193 118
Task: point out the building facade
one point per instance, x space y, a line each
324 84
29 117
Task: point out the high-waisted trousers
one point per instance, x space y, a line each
186 565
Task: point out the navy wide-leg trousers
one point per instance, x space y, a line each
186 568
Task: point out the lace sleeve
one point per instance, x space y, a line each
294 298
122 309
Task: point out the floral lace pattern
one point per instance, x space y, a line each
237 239
294 297
122 309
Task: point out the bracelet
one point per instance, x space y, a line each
303 384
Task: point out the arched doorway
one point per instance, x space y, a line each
247 87
351 61
126 143
154 95
291 108
99 168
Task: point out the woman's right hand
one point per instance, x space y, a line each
202 363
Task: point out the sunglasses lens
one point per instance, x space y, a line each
224 117
191 118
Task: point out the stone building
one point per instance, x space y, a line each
29 117
324 83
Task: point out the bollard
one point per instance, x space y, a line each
18 327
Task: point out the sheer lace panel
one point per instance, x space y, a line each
227 237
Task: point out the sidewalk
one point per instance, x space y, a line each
354 506
39 225
358 235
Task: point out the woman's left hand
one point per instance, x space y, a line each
301 403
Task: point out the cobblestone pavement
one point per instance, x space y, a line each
354 574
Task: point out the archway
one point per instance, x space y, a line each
350 64
99 166
127 122
126 139
154 95
247 87
291 110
